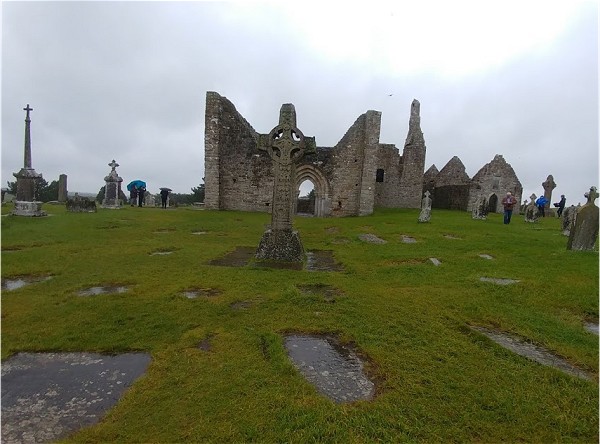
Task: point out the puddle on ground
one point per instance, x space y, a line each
499 281
48 396
194 293
334 370
435 261
591 327
486 256
408 239
371 239
94 291
20 281
327 292
161 253
531 351
316 260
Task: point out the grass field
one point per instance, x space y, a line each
438 380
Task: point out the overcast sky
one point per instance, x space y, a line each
128 80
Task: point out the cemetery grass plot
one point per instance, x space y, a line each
220 371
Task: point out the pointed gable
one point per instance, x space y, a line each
452 174
431 174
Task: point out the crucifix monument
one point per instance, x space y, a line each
285 145
112 190
26 203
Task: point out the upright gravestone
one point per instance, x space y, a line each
112 190
531 212
480 208
286 146
568 219
548 185
584 233
62 188
425 215
26 203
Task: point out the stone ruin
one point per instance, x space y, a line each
80 205
351 178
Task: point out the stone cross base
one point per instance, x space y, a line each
30 209
280 245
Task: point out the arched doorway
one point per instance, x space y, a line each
305 204
321 189
493 204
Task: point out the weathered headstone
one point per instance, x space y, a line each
149 200
531 212
285 145
584 233
568 219
80 205
548 185
62 188
112 191
26 203
480 209
425 215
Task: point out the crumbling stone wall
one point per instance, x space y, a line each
387 177
413 161
452 185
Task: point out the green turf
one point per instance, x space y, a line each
438 380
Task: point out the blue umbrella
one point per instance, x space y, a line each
136 183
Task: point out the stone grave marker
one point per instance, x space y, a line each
425 214
585 231
286 146
568 219
531 212
112 190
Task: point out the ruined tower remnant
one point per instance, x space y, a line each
26 203
413 161
286 146
112 190
62 188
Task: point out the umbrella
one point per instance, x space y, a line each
166 189
136 183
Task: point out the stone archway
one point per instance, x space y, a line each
321 187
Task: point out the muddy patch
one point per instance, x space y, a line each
206 343
240 257
531 351
327 292
109 289
47 396
241 305
322 260
332 230
371 239
17 282
499 281
194 293
335 370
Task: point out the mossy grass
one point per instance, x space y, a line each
438 380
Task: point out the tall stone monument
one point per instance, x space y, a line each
286 146
112 190
548 185
583 235
62 188
425 214
26 203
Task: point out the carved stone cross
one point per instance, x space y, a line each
27 152
548 185
113 165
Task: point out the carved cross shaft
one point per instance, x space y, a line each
27 151
285 145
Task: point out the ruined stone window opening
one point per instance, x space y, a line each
295 136
379 175
278 135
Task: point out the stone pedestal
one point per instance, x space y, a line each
280 245
31 209
112 190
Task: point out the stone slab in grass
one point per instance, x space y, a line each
335 371
435 261
534 352
316 260
499 281
108 289
591 327
47 396
10 284
408 240
371 239
486 256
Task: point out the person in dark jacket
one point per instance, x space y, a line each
133 196
164 194
141 196
560 205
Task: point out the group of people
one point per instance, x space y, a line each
137 195
510 201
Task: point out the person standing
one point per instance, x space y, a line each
560 205
541 204
133 196
164 194
508 203
141 196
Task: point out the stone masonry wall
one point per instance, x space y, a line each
387 193
413 161
495 178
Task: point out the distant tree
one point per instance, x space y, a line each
45 192
198 192
12 187
100 195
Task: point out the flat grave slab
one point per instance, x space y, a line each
499 281
335 371
47 396
371 239
17 282
109 289
591 327
316 260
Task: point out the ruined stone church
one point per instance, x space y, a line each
350 179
